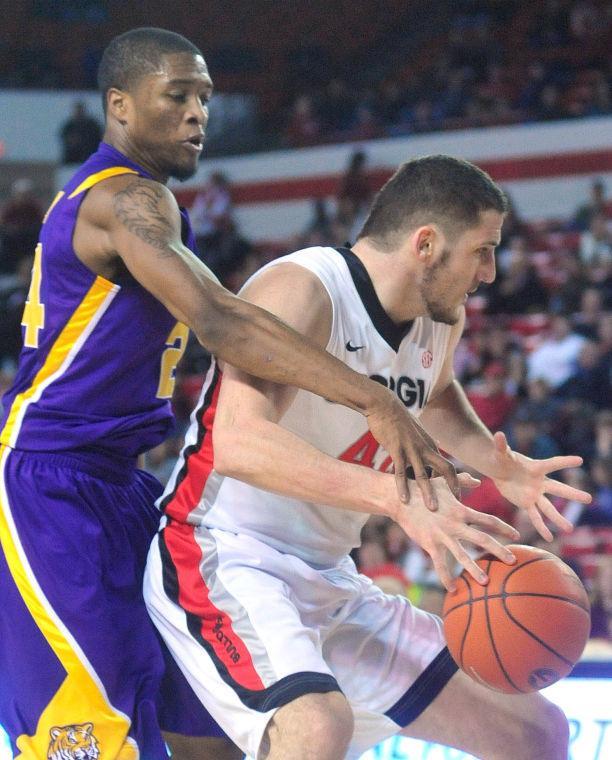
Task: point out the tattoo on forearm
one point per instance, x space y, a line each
138 208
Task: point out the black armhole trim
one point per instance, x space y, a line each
392 333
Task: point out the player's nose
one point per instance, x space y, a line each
197 111
487 272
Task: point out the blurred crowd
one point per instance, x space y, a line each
350 71
492 63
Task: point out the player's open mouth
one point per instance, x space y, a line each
195 143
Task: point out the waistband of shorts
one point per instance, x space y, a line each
110 467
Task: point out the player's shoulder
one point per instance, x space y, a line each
288 275
127 194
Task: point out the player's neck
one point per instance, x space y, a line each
121 141
394 282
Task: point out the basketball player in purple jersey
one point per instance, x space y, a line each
115 286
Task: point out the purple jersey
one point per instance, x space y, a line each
97 368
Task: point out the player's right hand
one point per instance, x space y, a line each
407 443
453 524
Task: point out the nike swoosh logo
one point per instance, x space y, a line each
351 347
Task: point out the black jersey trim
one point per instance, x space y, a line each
391 332
195 447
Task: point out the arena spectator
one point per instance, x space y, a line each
578 478
587 319
531 91
596 242
514 226
12 300
550 104
591 380
20 220
318 231
604 334
595 205
541 406
551 25
490 399
573 280
575 429
337 107
603 433
354 194
600 511
304 126
601 599
518 288
79 135
556 358
211 211
525 437
586 20
212 220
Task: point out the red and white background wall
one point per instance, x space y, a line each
546 168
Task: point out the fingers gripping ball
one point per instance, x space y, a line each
525 629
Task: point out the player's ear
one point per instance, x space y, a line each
424 239
117 105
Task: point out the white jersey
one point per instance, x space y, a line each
407 358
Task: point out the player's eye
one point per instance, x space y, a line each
178 97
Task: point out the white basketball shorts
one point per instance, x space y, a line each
253 629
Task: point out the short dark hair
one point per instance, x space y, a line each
134 54
440 189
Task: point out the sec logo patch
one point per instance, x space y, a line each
427 359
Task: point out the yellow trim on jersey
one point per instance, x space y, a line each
73 329
57 198
93 179
79 698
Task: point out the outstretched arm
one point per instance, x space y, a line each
139 221
250 445
452 421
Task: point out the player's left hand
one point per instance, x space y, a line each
525 483
409 444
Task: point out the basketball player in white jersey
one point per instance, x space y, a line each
250 582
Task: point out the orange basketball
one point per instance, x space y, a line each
525 629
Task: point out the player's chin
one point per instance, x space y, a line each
185 168
451 319
183 172
445 315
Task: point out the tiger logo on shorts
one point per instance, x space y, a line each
75 742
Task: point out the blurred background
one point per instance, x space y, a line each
316 104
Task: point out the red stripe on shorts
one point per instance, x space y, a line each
193 597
